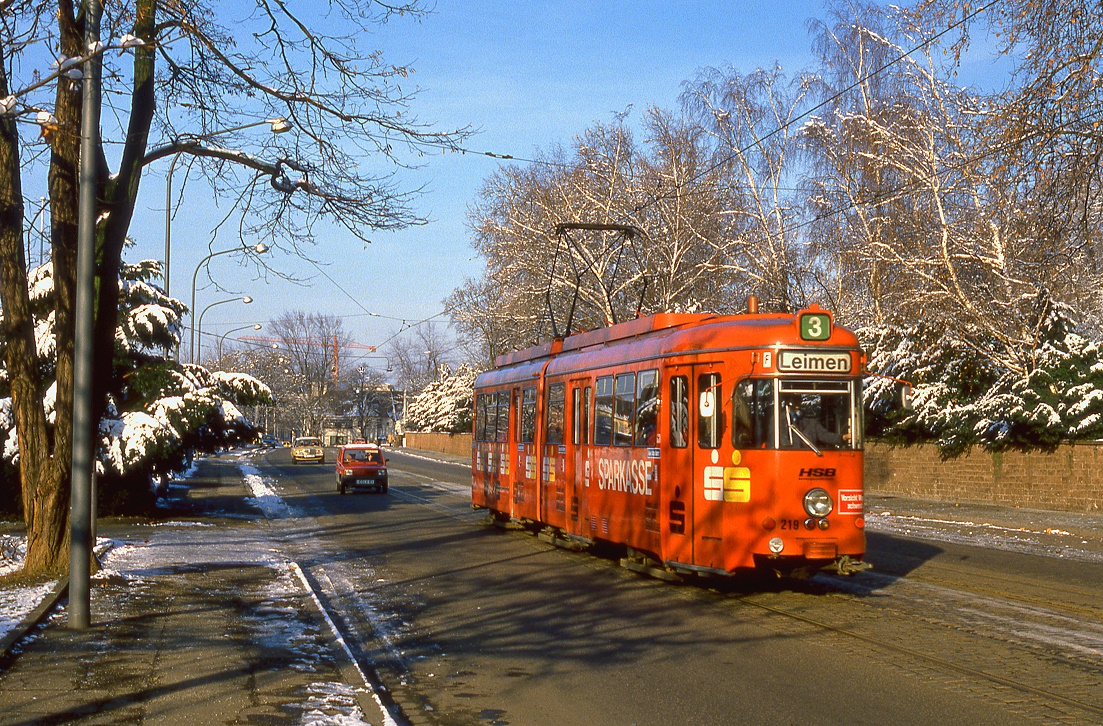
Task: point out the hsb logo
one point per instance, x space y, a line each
817 473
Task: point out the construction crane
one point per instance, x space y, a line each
334 346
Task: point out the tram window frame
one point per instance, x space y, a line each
648 403
502 432
554 419
834 390
490 422
603 421
528 415
480 417
624 408
576 415
587 394
858 426
515 398
679 409
753 414
710 429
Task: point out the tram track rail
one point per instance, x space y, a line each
1003 584
942 663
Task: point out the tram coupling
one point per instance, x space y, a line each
847 565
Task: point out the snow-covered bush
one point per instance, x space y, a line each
159 410
962 399
445 405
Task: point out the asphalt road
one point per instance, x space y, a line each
464 623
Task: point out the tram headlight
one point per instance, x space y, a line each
817 502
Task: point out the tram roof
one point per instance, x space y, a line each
638 328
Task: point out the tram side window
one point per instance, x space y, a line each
503 416
586 415
603 412
753 414
480 417
576 415
491 428
624 405
647 409
557 393
710 419
517 420
528 415
679 412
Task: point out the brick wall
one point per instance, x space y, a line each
1070 479
459 444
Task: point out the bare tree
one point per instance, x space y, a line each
175 75
667 251
1045 131
310 345
748 120
416 358
367 399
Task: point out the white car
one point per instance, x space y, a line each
307 448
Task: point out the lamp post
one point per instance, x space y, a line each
81 498
276 125
246 300
255 326
259 248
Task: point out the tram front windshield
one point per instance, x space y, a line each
795 414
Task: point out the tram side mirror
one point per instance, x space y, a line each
905 396
706 405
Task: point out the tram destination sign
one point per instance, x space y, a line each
806 361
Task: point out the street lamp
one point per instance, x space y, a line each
259 248
256 326
276 125
246 300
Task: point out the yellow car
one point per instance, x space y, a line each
307 448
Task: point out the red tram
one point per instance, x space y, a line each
703 444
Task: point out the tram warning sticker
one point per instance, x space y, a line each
851 501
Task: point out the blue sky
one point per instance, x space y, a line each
526 76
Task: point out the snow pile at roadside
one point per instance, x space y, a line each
264 494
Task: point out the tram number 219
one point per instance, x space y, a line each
790 524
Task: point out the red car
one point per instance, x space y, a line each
361 466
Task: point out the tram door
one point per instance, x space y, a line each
676 513
709 453
576 439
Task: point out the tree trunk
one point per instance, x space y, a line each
45 500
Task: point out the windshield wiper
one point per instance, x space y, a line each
800 434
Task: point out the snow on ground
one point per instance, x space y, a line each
18 602
1068 536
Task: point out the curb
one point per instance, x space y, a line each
34 618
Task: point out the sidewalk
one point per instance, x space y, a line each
194 621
